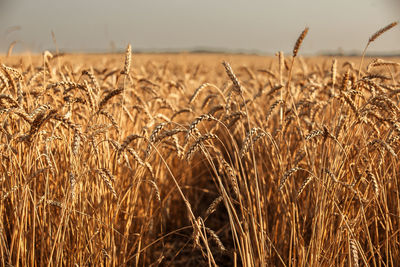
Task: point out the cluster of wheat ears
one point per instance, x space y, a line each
291 165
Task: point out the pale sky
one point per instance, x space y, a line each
264 26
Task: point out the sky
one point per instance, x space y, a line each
261 26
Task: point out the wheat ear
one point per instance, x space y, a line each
354 252
299 41
128 60
373 38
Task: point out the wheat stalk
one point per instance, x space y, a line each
381 31
286 175
227 168
201 87
213 206
236 84
196 145
110 95
304 185
153 136
72 181
373 38
107 181
354 252
375 183
299 41
127 141
128 60
194 124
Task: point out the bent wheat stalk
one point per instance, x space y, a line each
373 38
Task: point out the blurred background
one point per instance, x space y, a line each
257 26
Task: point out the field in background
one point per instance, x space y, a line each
179 160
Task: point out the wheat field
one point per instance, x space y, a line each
207 159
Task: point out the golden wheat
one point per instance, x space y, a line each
86 179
